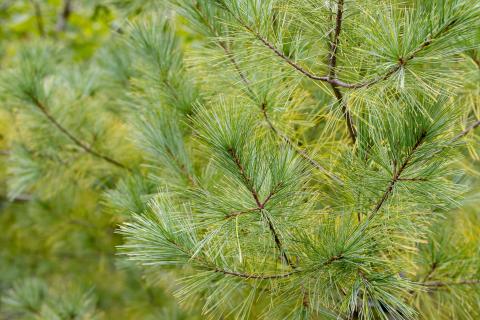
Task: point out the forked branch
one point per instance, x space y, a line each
397 175
260 205
402 61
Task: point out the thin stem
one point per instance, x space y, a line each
336 40
466 131
346 113
256 276
242 212
439 284
397 174
239 213
277 240
412 179
261 205
74 139
244 275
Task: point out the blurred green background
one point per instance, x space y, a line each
57 252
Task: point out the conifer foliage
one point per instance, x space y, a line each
279 159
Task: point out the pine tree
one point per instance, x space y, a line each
279 159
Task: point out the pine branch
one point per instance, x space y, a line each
402 61
406 162
74 139
248 87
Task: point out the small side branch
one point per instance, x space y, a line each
74 139
240 213
466 131
396 175
441 284
256 276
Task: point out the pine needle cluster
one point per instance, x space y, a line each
279 159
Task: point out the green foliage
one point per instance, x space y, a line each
33 298
263 160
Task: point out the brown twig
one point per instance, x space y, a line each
466 131
256 276
397 174
439 284
239 213
412 179
275 276
332 74
40 106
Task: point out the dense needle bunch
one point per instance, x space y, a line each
293 159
